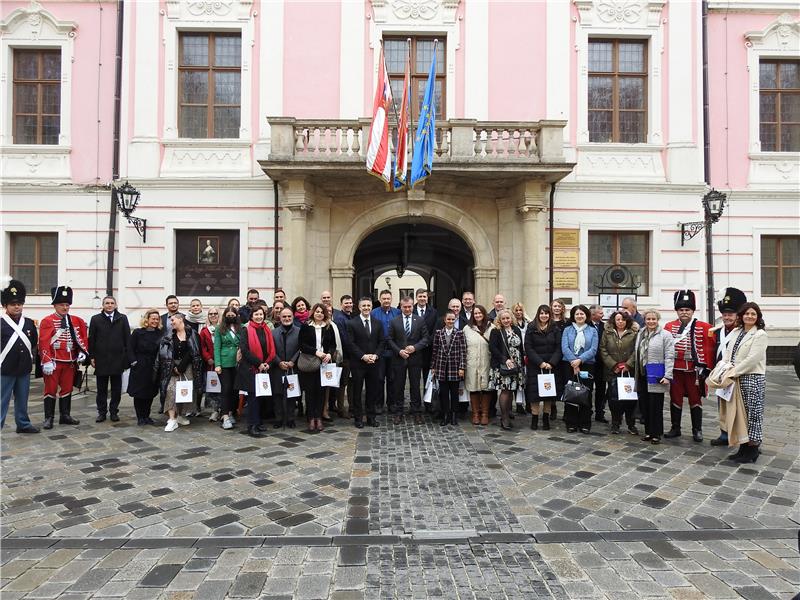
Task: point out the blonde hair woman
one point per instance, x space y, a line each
142 352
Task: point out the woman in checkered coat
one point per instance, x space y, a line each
747 351
447 365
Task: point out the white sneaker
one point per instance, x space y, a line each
214 416
182 420
227 423
172 425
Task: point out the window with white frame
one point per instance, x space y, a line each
34 260
780 265
37 96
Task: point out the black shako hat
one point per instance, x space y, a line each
61 294
684 299
732 301
15 292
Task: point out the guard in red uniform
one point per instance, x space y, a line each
694 358
63 346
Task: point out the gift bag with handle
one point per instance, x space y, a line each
547 384
292 386
213 386
626 387
263 385
329 375
184 391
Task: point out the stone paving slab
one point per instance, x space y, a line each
114 510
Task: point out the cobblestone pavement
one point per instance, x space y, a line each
116 510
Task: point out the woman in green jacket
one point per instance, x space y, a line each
617 355
226 344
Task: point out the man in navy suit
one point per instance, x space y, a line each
430 316
365 344
408 336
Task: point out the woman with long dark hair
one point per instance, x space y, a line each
317 338
543 349
578 350
226 345
258 352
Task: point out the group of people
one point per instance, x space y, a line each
259 363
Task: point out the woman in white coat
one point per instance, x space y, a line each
476 376
747 351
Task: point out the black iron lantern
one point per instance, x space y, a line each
127 198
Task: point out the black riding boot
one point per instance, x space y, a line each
64 409
49 412
675 413
535 422
546 422
697 423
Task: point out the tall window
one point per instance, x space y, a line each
34 260
779 84
780 265
629 249
210 73
37 96
396 50
618 91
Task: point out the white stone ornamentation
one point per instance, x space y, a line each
415 9
619 11
219 8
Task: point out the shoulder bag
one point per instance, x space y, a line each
308 363
506 371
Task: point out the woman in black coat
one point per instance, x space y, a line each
142 352
543 350
506 373
316 338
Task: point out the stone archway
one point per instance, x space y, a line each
430 211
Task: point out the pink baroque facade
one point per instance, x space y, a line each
243 124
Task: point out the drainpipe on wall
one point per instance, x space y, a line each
551 236
707 171
275 221
112 209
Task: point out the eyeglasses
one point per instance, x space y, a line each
213 314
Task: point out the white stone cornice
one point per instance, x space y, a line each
781 34
36 22
757 6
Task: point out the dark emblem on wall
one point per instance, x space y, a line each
207 262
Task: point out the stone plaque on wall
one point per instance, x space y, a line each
207 262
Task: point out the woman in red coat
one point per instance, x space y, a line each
258 352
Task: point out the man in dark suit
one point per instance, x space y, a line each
431 317
408 336
287 350
109 333
172 309
365 344
468 303
598 372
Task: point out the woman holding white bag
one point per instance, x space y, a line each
543 349
617 347
654 359
316 340
179 360
258 353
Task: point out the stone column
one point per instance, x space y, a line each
485 285
342 278
297 197
530 207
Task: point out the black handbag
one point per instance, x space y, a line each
577 394
506 371
308 363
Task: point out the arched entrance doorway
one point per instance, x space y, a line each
441 257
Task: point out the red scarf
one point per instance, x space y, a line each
302 316
255 344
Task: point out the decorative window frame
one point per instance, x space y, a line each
60 230
758 233
778 40
34 27
419 18
654 259
619 19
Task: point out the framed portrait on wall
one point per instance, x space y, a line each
207 262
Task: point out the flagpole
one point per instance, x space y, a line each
410 97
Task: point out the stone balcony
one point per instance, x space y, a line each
329 153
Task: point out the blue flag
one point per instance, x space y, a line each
425 138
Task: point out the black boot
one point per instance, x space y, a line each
64 408
49 412
738 453
253 431
750 454
454 418
675 418
535 422
445 419
546 422
697 423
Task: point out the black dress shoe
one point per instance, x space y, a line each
140 422
253 431
358 423
372 421
454 418
290 424
47 423
100 418
697 435
149 421
277 425
445 420
114 417
261 428
68 420
720 441
27 429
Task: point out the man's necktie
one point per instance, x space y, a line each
408 326
366 326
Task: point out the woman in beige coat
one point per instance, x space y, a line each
747 352
476 376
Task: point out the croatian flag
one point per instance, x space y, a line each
379 155
401 152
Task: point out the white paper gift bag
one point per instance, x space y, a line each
213 386
429 388
263 385
626 388
126 377
547 385
183 392
725 393
293 386
519 397
329 375
463 395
